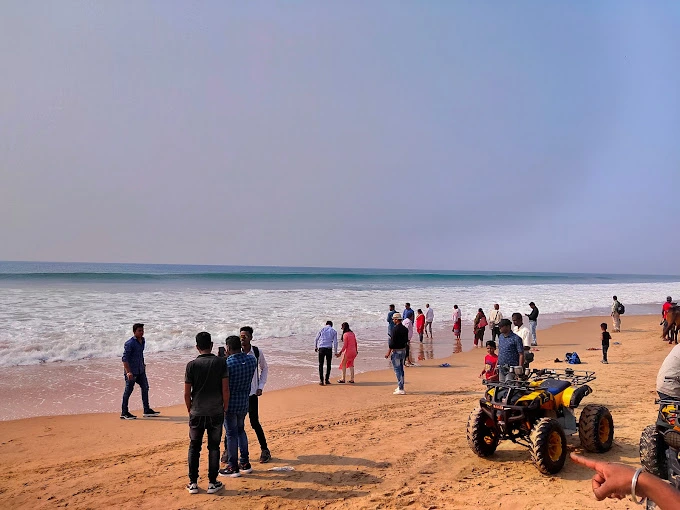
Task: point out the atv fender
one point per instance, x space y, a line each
572 397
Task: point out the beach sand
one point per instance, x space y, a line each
351 446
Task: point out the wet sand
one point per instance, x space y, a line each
350 446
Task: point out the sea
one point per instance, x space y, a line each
75 317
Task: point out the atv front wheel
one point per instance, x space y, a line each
482 435
596 428
653 452
548 446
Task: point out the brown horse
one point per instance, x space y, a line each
672 322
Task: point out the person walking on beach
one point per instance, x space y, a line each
390 322
478 328
495 318
616 315
326 344
135 373
429 318
348 353
605 342
408 324
420 324
206 395
533 322
240 370
510 351
256 388
456 322
408 313
397 352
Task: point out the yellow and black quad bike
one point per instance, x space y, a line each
538 412
660 444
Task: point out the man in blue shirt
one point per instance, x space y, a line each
409 313
510 351
135 372
240 369
326 344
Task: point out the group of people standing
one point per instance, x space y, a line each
481 322
219 391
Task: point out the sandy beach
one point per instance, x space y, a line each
350 446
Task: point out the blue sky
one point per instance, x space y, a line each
447 135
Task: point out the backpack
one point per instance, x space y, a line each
620 309
573 359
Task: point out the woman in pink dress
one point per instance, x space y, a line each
348 352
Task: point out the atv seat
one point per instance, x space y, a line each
554 386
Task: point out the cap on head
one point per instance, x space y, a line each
396 317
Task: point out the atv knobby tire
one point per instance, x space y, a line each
596 428
548 446
482 435
653 452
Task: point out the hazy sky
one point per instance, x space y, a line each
446 135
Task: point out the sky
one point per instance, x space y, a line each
518 136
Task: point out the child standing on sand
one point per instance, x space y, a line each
490 372
605 342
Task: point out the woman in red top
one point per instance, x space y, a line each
348 352
420 324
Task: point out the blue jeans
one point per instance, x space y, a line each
130 385
398 358
532 327
236 439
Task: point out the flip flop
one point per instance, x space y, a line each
351 382
341 381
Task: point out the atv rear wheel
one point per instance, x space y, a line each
482 435
548 446
596 428
653 452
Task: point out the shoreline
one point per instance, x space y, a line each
95 385
354 446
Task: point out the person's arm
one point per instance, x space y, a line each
520 348
187 396
389 351
225 393
127 351
316 341
264 372
335 342
613 480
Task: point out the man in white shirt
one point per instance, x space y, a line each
495 318
519 329
256 387
429 317
669 368
408 323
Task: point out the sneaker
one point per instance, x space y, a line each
265 457
214 487
192 487
127 416
245 468
605 362
400 392
150 413
327 381
321 383
230 471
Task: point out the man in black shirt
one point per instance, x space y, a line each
397 351
533 322
206 395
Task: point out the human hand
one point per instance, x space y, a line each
258 392
316 350
130 376
610 480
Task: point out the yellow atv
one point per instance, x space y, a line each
538 412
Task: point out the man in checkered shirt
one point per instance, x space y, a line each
241 368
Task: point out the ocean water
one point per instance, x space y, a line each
62 312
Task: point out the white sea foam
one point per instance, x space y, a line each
52 323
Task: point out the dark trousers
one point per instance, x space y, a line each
130 385
255 421
198 425
605 348
495 333
327 354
